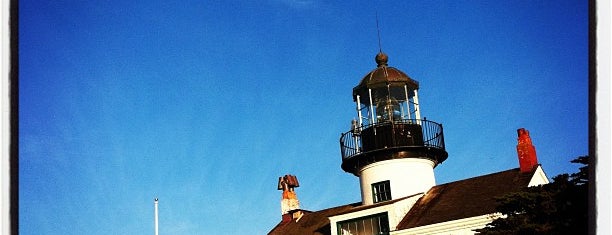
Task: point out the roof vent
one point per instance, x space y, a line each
526 151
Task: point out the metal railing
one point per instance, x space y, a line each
352 142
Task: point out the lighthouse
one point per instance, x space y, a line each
393 152
389 147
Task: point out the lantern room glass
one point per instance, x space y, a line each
388 110
387 104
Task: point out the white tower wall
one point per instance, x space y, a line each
407 176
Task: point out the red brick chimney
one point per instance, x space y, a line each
526 151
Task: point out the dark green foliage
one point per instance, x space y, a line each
559 207
582 177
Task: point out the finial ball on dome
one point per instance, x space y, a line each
381 59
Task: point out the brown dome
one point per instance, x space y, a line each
383 75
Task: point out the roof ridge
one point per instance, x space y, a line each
481 176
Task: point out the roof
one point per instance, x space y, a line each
464 198
316 222
360 207
446 202
382 76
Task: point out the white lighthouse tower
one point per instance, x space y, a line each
389 147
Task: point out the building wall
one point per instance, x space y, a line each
539 178
406 176
395 212
455 227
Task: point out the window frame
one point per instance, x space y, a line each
384 192
382 218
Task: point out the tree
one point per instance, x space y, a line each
559 207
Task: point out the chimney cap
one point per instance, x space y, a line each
290 181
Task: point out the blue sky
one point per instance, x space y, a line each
206 104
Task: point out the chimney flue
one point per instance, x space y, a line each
289 201
526 151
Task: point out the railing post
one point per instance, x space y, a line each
442 145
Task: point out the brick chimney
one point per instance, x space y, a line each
526 151
290 205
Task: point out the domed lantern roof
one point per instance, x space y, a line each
383 76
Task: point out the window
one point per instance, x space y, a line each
377 224
381 191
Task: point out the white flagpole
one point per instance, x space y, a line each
156 216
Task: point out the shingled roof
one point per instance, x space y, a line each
316 223
446 202
465 198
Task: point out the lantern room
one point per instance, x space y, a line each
386 94
389 124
